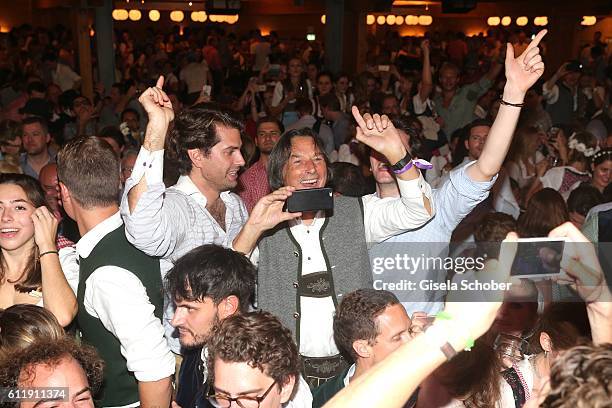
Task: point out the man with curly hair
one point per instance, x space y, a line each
71 372
581 378
253 362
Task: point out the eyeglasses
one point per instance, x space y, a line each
225 401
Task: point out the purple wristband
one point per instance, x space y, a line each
404 169
418 163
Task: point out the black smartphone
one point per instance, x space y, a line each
312 199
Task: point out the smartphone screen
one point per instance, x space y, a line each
538 258
207 90
383 68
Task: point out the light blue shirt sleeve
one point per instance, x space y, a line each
458 196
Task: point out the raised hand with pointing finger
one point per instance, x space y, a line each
378 133
524 70
156 102
159 110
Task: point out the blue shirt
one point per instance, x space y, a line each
27 169
460 112
453 201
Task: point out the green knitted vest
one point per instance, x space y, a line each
120 387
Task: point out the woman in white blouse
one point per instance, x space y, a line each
30 270
577 156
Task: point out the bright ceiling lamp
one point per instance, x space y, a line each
370 19
177 16
493 21
522 21
588 20
506 21
154 15
412 20
120 14
425 20
540 21
135 15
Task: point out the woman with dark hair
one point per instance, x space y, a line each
545 211
470 380
30 270
561 327
524 155
581 148
286 93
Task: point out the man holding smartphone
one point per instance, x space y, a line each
563 101
308 260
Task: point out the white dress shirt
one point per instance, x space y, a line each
317 317
169 222
119 300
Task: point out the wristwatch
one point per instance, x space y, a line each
402 163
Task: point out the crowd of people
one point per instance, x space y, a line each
148 257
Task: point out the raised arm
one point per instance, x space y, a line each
426 80
521 73
494 71
389 384
155 219
414 207
552 81
583 273
159 109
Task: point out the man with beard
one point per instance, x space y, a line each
199 209
36 140
208 284
253 183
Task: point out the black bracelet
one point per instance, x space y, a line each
516 105
48 252
402 163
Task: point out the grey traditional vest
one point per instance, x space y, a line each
342 239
